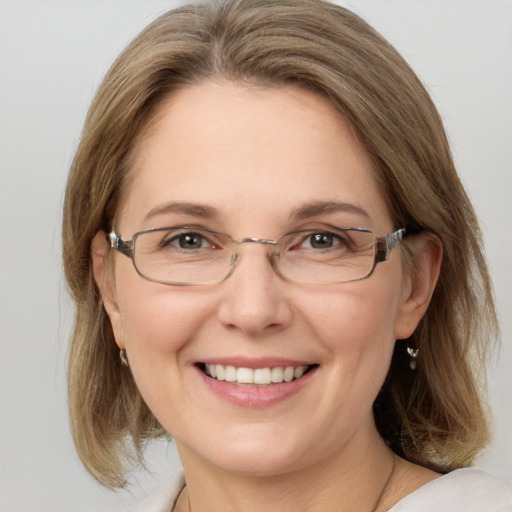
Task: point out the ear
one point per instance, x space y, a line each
104 278
426 254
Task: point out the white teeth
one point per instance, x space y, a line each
277 374
298 372
245 376
230 374
219 370
288 373
261 376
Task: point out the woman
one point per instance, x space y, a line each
275 263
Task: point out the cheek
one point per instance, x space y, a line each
156 324
356 328
157 318
356 313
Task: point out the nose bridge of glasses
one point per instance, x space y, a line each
235 257
256 241
261 241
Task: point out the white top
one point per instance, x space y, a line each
463 490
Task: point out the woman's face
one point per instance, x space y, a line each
252 162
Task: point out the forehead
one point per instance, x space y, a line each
249 153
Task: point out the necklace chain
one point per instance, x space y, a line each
379 497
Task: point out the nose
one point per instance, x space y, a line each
253 297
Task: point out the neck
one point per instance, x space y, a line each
356 478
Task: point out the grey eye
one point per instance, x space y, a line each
191 241
321 241
187 241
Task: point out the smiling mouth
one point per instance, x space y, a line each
257 376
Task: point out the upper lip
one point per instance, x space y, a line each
263 362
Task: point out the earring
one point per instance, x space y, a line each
122 356
413 354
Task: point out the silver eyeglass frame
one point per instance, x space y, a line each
384 246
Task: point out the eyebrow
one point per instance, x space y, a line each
324 207
304 211
194 209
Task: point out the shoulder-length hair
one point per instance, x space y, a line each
432 416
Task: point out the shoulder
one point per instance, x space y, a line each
163 499
468 489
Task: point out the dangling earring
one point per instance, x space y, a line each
413 354
122 356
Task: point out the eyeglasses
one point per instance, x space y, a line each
184 256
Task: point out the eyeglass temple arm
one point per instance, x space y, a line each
387 243
117 243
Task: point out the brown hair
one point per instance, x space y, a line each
432 416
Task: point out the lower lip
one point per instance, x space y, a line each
256 396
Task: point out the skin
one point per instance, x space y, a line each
255 155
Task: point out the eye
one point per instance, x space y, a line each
188 241
323 240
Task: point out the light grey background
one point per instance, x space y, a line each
52 57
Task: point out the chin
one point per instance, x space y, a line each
251 452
